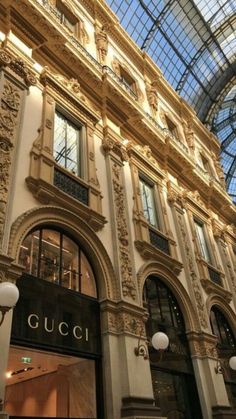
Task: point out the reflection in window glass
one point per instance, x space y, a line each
66 144
147 196
202 241
54 257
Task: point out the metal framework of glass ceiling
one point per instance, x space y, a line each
193 42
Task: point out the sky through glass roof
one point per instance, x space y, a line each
193 42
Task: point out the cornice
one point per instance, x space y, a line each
148 251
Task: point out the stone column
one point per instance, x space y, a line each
128 383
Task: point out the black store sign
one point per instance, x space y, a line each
55 318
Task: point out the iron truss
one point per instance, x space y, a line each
194 44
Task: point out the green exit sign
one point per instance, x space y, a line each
25 360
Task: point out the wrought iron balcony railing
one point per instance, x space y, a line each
159 241
70 186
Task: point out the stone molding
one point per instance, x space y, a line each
73 224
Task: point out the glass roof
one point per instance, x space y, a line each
193 42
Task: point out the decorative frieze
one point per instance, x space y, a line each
203 345
9 110
128 284
192 273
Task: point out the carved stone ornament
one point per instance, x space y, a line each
72 84
120 323
10 104
219 169
19 67
193 276
189 133
152 97
128 284
102 43
116 66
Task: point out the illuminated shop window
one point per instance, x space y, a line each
202 241
54 257
221 328
67 144
148 201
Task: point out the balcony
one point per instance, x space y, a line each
70 186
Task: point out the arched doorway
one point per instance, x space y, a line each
226 348
55 356
173 379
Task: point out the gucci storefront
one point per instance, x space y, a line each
54 362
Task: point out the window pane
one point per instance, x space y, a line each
59 139
50 256
147 197
202 242
29 252
72 155
70 269
66 143
88 285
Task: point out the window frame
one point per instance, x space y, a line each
80 142
80 255
143 180
203 246
65 13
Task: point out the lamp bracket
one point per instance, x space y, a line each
141 350
3 311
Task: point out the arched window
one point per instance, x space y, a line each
172 372
51 255
226 348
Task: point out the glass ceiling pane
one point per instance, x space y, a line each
193 42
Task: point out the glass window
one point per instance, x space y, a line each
51 255
172 127
202 241
172 373
67 18
221 328
148 202
66 147
127 79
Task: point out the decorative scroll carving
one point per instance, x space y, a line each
147 153
152 97
203 346
10 104
196 287
128 285
125 323
18 66
102 43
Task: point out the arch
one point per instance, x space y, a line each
74 225
180 293
223 306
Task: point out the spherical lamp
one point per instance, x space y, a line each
160 341
9 295
232 362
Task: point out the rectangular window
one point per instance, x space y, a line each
127 79
67 144
172 127
202 241
149 208
67 18
205 164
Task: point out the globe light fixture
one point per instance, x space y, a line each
232 362
9 295
160 342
